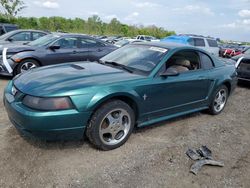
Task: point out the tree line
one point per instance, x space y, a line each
93 25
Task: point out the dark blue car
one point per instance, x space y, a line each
52 49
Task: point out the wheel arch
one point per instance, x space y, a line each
32 58
125 97
228 85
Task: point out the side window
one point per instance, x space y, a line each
37 35
22 36
199 42
90 43
191 41
206 62
183 61
212 43
67 43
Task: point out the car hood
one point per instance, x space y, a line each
235 58
70 79
14 48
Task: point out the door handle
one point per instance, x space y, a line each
99 50
74 52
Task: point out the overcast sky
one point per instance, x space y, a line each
225 19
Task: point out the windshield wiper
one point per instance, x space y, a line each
115 64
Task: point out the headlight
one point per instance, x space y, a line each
38 103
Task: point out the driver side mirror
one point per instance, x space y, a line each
170 72
55 47
10 39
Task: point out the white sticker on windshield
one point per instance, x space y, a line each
162 50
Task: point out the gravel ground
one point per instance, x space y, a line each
152 157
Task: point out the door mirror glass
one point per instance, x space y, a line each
170 72
55 47
10 39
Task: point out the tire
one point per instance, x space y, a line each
26 65
111 125
218 103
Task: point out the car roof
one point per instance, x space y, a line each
32 30
69 34
166 45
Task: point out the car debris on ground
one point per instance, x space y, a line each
202 156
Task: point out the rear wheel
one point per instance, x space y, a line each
111 125
26 65
219 100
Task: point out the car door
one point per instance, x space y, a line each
97 49
180 93
84 52
67 52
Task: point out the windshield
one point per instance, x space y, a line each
6 35
43 41
247 51
142 58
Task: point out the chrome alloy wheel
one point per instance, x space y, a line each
27 66
114 126
220 100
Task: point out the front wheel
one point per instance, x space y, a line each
219 100
26 65
111 125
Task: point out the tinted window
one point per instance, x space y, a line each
212 43
37 35
90 43
10 28
199 42
67 42
206 62
22 36
191 41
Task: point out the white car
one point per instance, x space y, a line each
147 38
206 43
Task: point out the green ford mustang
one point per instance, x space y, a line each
137 85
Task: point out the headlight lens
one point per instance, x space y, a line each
38 103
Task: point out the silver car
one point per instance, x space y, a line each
20 36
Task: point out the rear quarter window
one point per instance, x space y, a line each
206 61
212 43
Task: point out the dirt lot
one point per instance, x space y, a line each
152 157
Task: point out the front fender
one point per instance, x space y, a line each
17 58
90 101
99 99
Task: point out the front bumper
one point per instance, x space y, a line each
56 125
4 71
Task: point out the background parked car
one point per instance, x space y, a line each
242 64
206 43
21 36
5 28
52 49
147 38
230 50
